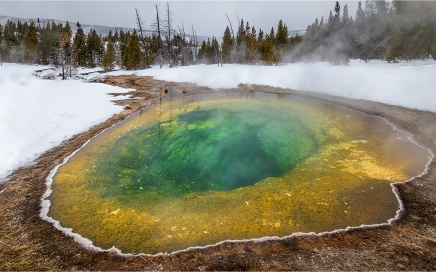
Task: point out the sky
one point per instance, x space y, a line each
207 17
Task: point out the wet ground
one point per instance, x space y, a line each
409 243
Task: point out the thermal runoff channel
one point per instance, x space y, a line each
198 170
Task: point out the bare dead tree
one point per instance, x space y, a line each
157 27
168 25
183 45
194 37
231 28
140 24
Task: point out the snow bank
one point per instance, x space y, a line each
37 114
412 84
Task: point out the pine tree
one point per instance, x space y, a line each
252 46
202 52
209 52
116 36
282 34
360 14
79 47
133 57
124 41
94 48
214 51
337 12
48 44
109 59
227 46
31 44
345 16
282 40
10 40
240 43
67 29
260 37
331 18
269 48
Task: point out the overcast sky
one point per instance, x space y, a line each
207 17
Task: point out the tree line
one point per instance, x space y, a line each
249 46
392 31
401 30
56 44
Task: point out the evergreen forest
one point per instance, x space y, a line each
390 31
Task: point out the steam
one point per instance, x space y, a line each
405 84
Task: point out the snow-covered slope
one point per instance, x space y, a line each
37 114
411 84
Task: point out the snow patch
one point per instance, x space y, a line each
37 115
409 84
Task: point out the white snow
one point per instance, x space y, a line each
37 114
409 84
48 74
94 77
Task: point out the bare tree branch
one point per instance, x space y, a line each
231 28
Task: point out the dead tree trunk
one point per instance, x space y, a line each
170 46
231 28
141 36
159 37
194 37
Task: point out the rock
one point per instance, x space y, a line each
48 74
95 77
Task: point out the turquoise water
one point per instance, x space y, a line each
209 148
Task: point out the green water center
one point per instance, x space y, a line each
216 148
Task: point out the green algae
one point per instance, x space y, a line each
197 171
221 147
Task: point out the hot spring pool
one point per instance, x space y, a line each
198 170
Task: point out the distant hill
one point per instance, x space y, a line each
103 30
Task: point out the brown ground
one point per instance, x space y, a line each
29 243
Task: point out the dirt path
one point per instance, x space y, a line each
29 243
